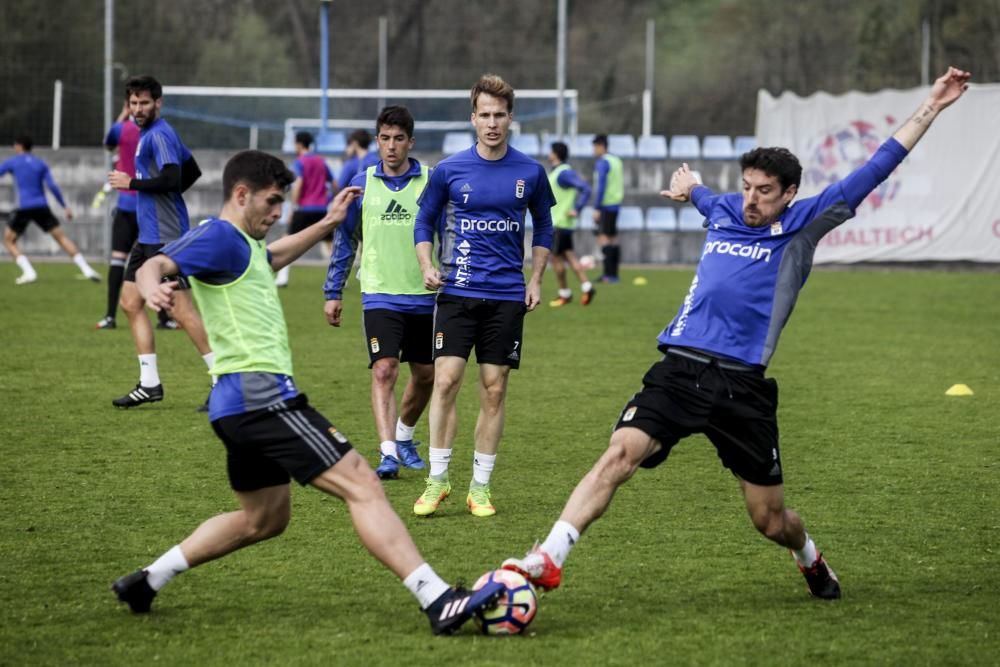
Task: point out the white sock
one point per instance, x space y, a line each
166 567
566 293
388 448
482 467
82 263
25 264
149 376
404 432
807 555
586 287
425 585
560 540
282 277
440 458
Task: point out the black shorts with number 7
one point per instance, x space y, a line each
492 326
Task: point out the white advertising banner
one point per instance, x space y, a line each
941 204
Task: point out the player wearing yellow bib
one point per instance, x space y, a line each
398 311
571 193
270 431
609 193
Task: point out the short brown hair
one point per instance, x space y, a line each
491 84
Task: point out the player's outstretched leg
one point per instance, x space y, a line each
766 506
591 497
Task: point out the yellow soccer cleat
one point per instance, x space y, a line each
433 494
478 501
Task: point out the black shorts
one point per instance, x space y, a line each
303 219
41 216
492 326
270 446
562 242
403 336
735 409
124 231
607 224
142 253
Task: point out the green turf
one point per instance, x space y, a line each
897 482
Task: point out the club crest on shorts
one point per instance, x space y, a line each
438 340
337 435
519 188
373 343
629 414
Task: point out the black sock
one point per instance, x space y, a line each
163 315
611 256
115 275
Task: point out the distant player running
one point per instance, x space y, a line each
757 256
164 169
398 309
571 193
31 177
487 191
311 193
270 431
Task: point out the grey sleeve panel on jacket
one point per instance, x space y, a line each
796 262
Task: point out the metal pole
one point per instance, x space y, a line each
647 94
383 58
109 38
561 70
254 136
324 64
925 53
56 114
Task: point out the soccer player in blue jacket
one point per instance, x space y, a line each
482 297
756 258
31 177
164 169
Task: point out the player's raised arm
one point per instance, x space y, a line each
286 250
946 90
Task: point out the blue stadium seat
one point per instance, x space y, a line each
652 147
622 145
529 222
527 144
582 145
684 147
717 147
331 142
456 141
661 219
630 217
743 144
691 220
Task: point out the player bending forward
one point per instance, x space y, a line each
711 377
269 429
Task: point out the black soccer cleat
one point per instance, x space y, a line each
135 591
457 605
138 396
169 323
106 323
822 580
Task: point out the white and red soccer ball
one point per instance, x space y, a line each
514 610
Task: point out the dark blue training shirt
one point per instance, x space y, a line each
748 278
162 216
482 235
31 177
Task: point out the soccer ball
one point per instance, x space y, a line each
587 262
515 608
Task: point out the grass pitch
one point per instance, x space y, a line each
897 483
